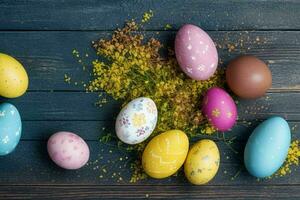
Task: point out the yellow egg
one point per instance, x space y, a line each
13 77
165 154
202 162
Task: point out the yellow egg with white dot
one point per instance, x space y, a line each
202 162
13 77
165 154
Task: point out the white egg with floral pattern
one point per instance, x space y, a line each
136 121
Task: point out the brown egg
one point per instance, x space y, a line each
248 77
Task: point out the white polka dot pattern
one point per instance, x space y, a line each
196 52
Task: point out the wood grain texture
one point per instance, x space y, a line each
107 15
94 130
51 58
30 164
148 192
81 106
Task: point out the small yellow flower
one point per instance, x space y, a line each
209 130
216 112
138 119
229 114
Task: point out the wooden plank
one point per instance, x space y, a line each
94 130
88 130
80 106
30 164
148 192
47 56
104 15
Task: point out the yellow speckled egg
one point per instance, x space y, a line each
13 77
202 162
165 154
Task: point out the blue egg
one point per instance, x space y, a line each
267 147
10 128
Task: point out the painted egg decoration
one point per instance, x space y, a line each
10 128
68 150
196 53
136 121
219 108
165 154
13 77
267 147
202 162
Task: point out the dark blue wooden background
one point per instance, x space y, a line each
42 35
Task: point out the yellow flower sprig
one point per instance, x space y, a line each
135 68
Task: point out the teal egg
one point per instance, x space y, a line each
267 147
10 128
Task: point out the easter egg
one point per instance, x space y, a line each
267 147
219 108
68 150
13 77
196 53
10 128
202 162
248 77
136 121
165 154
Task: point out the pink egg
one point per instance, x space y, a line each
68 150
196 53
219 108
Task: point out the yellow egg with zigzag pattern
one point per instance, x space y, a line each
165 154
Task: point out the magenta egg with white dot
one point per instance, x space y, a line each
196 52
220 109
68 150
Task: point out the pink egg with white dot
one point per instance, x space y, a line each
196 52
220 109
68 150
